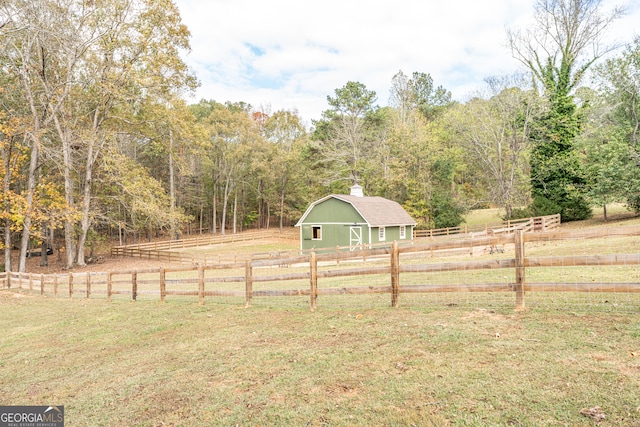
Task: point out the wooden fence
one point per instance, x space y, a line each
204 240
398 262
167 250
536 224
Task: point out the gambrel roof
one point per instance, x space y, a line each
376 211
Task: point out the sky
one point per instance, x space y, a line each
292 54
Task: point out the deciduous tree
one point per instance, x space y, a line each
564 41
13 152
618 82
43 41
494 129
342 136
233 137
418 93
85 69
284 130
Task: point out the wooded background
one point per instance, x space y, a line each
97 142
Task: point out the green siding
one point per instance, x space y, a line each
334 235
335 217
391 234
333 210
306 232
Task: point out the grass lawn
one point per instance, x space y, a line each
178 363
484 216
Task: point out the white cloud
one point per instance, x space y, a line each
290 54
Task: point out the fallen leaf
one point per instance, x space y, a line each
401 366
594 413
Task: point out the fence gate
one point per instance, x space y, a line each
355 238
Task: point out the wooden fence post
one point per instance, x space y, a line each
520 272
248 286
70 285
55 285
395 274
134 285
42 284
30 282
163 284
200 284
109 286
313 266
88 285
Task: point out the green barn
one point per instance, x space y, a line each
353 220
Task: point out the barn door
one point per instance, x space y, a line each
355 237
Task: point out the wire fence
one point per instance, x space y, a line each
596 269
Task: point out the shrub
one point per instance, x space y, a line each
633 203
446 211
575 209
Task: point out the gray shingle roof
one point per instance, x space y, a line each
378 211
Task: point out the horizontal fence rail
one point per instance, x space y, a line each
536 224
159 250
403 266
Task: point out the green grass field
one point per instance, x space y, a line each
458 361
178 363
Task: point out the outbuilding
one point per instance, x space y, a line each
353 220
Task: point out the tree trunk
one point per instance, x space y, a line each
69 226
214 228
85 222
31 188
33 166
283 184
235 212
44 260
7 245
6 185
260 204
225 200
268 215
172 187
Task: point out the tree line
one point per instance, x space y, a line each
97 141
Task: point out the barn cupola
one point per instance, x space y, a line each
356 190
